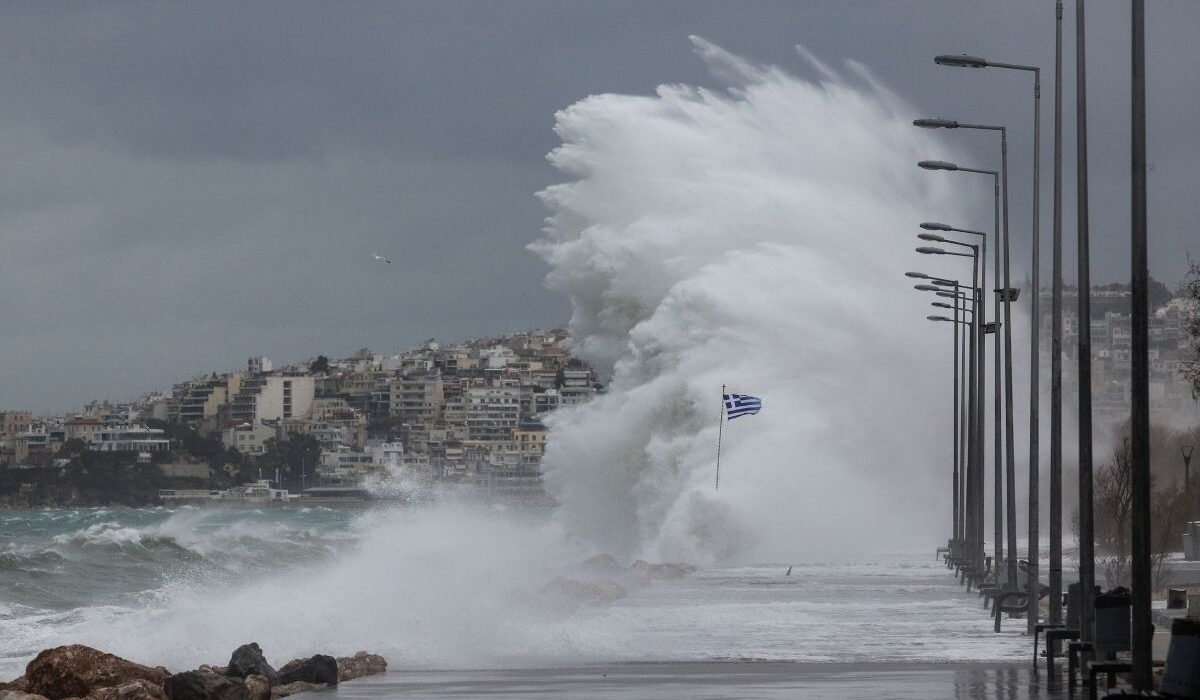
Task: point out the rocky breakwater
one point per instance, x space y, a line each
78 672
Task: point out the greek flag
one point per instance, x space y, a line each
737 405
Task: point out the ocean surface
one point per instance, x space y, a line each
452 588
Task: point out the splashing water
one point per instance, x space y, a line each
754 237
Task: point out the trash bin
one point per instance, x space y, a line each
1112 621
1182 675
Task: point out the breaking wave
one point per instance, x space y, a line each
756 237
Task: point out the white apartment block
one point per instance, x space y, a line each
272 397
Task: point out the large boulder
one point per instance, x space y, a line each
137 690
359 665
248 659
10 694
76 670
193 685
315 669
259 687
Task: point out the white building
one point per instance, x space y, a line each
247 438
128 438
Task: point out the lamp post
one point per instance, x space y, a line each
954 167
998 488
975 444
1087 532
956 530
1008 295
1142 631
964 61
965 491
957 307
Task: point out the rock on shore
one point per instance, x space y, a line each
78 672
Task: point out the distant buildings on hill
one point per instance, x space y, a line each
1111 331
468 413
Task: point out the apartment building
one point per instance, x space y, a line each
249 438
13 423
272 397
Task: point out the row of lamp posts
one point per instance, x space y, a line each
969 314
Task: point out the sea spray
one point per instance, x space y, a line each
753 236
756 237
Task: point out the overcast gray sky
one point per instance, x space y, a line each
184 185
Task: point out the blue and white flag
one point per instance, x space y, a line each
737 405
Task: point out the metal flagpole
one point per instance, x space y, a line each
720 428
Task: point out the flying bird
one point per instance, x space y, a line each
380 257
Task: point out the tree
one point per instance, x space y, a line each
1191 290
1113 509
319 365
1112 506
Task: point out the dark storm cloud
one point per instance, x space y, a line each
184 185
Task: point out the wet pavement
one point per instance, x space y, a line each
718 680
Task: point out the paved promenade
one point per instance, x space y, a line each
715 680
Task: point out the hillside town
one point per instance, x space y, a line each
1170 349
467 414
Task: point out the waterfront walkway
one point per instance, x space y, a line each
715 680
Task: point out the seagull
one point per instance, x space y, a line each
377 256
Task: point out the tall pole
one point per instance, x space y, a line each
720 429
955 533
1087 538
1009 443
977 274
971 497
998 455
1034 359
1055 578
1142 631
964 439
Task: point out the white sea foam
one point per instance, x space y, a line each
754 237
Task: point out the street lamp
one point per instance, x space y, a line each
1007 297
977 391
961 61
998 485
958 480
966 61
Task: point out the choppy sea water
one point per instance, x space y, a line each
448 588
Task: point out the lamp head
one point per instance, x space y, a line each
917 275
938 318
926 250
937 165
931 237
935 123
960 61
941 304
926 288
934 226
